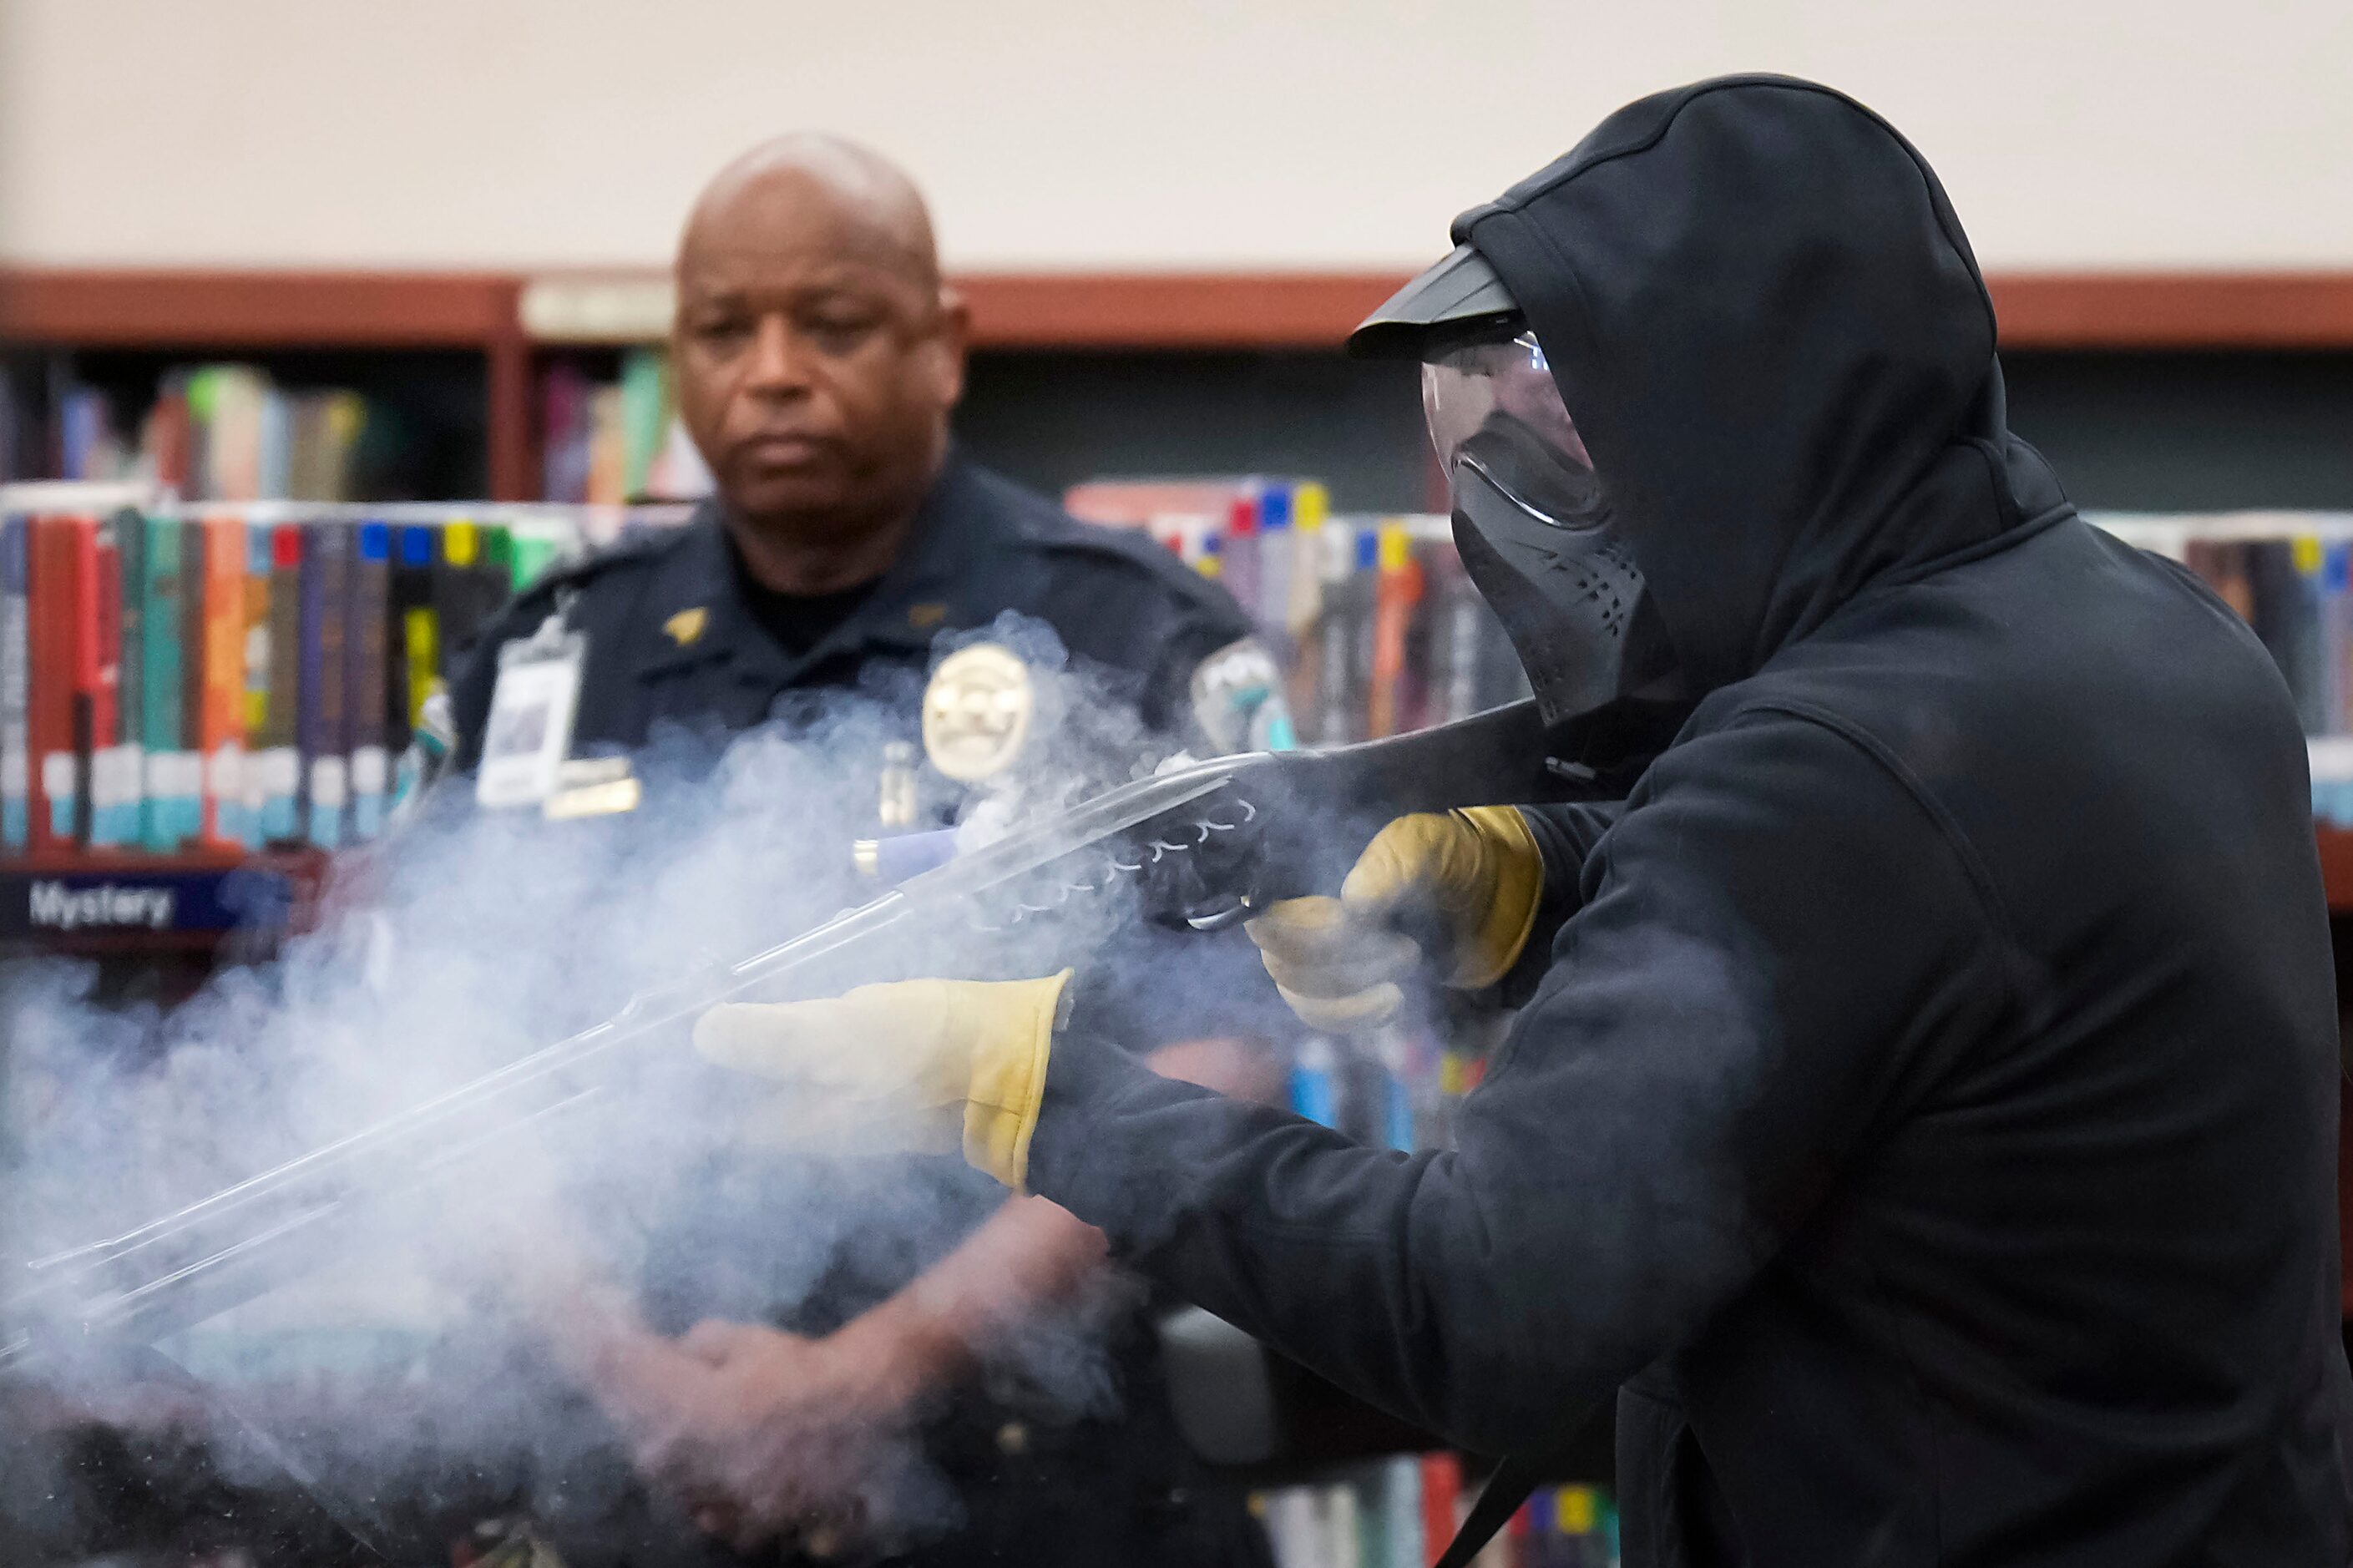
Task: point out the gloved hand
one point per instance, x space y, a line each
1472 879
909 1063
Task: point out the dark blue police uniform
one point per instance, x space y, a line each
682 654
673 642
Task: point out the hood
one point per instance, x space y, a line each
1770 331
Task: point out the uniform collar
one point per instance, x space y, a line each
695 612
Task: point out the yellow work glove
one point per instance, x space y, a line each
1474 877
909 1063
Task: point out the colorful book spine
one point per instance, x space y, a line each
1240 550
1395 591
1309 508
413 647
1276 558
366 681
188 767
220 702
278 757
54 775
1315 1081
86 662
115 787
2335 559
454 592
1441 1502
498 565
536 547
16 685
319 722
131 767
175 781
253 709
1343 607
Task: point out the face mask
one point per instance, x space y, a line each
1533 524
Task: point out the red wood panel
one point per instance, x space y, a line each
256 309
2174 311
1197 310
1090 310
513 463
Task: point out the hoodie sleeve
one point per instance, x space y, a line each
1781 949
1565 836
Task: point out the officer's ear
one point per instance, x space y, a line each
945 352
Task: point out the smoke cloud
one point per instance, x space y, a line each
401 1379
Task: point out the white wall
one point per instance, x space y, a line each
1118 133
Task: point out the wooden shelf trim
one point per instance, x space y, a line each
2115 310
2178 311
259 310
1174 311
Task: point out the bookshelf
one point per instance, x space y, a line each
2110 310
509 326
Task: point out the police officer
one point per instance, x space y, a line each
818 354
1924 1104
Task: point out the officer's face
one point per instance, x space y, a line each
816 359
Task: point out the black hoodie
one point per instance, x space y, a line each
1928 1111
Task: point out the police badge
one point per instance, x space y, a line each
977 712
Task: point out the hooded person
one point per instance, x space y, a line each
1923 1109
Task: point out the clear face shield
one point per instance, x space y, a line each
1495 408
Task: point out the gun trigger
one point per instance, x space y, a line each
1218 916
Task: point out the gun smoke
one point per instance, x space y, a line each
465 943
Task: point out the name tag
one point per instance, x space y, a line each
529 731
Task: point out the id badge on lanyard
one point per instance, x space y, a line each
529 731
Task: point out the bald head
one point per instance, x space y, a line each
816 355
810 183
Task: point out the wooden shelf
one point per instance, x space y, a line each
2217 310
193 309
1173 310
260 309
2115 312
229 310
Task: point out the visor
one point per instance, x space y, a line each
1457 298
1495 408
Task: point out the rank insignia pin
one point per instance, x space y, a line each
686 625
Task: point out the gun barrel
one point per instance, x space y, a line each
1238 820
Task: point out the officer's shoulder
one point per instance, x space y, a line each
1099 558
614 567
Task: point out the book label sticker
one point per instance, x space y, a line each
370 771
224 785
329 791
60 779
276 784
